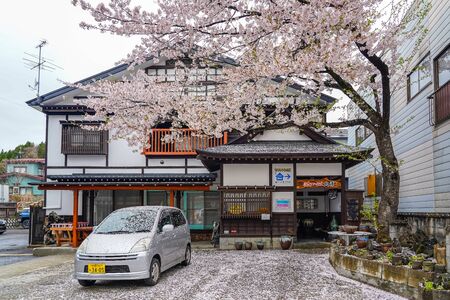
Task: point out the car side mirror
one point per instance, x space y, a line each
167 228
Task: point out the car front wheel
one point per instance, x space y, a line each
187 256
26 224
86 282
155 271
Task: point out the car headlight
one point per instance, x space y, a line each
2 222
82 247
141 245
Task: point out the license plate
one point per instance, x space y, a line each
97 268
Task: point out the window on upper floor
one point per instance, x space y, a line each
361 133
442 86
79 141
419 78
20 169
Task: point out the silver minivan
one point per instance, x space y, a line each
134 243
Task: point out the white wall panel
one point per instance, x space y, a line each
246 174
319 169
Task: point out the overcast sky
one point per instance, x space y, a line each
79 52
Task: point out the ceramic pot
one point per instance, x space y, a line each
361 243
416 264
439 268
397 260
364 227
238 245
350 229
285 242
428 266
385 247
260 245
248 245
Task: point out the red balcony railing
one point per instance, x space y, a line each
185 143
442 103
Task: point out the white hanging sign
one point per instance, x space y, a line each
283 174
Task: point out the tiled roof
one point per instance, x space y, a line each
25 161
280 148
133 178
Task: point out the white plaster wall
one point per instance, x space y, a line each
122 155
86 160
246 174
286 134
166 162
112 171
64 171
61 202
197 170
319 169
164 171
194 162
54 155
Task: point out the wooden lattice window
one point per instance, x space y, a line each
79 141
245 204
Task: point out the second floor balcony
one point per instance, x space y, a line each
180 142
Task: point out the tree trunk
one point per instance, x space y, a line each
388 206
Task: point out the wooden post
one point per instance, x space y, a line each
172 198
75 219
343 197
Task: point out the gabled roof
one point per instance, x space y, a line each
61 91
17 174
26 161
66 89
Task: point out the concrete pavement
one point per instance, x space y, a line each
14 247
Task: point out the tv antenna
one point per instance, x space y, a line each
40 63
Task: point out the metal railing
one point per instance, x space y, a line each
180 142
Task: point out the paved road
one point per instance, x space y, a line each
272 274
13 246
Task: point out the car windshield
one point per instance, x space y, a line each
127 221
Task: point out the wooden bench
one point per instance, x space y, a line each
63 232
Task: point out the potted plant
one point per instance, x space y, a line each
238 245
428 266
248 245
285 242
260 245
361 241
416 262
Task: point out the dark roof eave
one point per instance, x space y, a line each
63 90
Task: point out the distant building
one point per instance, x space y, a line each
20 173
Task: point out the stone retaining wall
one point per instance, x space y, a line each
396 279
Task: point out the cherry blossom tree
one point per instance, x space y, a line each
348 45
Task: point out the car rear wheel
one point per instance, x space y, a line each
26 224
86 282
155 271
187 256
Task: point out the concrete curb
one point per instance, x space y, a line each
46 251
29 266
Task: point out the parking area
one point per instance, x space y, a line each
13 246
212 275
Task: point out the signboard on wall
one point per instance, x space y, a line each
283 174
283 202
319 183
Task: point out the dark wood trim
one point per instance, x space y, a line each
343 197
436 66
123 167
46 157
410 97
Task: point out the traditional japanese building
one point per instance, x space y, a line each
259 185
